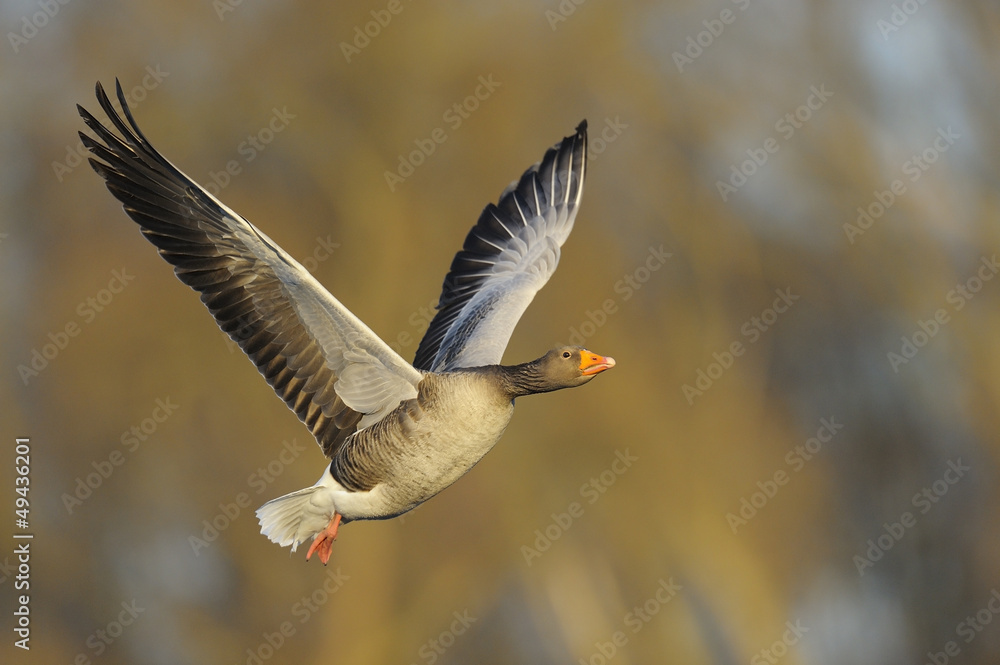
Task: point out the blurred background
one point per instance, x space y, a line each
788 241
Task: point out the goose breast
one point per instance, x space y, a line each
427 443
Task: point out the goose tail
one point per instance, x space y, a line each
298 517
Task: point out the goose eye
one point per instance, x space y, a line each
566 354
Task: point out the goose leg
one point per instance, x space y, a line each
323 542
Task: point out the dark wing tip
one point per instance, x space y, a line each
581 129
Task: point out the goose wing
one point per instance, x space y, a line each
507 257
327 365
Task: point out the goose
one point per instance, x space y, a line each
396 433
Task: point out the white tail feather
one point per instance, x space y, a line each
296 517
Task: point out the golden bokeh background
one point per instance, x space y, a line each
818 500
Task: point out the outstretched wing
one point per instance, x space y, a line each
507 257
327 365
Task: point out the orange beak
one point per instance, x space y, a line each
591 363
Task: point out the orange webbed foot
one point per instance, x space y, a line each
323 542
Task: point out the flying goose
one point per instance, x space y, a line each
396 433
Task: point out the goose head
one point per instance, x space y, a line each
562 367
